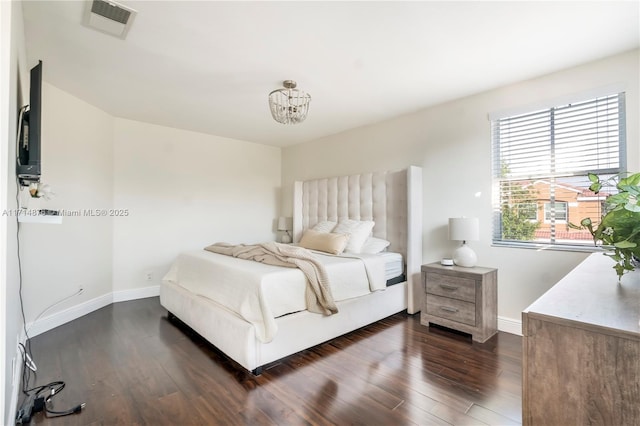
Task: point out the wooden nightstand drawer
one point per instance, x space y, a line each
463 299
452 309
448 286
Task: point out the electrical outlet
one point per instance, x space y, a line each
148 276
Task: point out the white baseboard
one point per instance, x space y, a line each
55 320
77 311
509 325
136 293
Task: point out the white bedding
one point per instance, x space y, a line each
259 293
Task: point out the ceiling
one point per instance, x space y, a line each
208 66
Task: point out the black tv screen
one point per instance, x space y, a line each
28 167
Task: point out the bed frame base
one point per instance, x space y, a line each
236 338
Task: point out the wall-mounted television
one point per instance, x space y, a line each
28 155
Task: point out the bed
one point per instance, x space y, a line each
392 200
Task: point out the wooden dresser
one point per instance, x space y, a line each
463 299
581 349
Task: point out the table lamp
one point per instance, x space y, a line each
464 229
283 225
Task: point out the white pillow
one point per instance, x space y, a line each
374 245
359 231
324 226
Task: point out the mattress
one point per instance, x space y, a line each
393 264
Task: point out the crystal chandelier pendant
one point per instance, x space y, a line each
289 105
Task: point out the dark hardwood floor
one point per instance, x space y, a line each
131 365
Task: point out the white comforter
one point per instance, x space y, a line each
259 293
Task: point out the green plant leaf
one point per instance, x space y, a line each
615 256
594 178
624 244
632 207
631 190
619 270
633 180
617 199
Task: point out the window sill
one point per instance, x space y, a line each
547 246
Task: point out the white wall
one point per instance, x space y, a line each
13 84
452 143
77 161
183 191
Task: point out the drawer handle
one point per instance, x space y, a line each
448 309
448 287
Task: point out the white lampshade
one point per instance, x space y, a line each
464 229
283 225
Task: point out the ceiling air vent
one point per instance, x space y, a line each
109 17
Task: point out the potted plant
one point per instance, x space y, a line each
619 229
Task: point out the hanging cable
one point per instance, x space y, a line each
33 401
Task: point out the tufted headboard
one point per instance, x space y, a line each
393 200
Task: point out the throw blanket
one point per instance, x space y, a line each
318 292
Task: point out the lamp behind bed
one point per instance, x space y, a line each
283 225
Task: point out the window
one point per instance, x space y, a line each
541 162
555 212
529 211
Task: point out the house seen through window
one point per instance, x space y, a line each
541 162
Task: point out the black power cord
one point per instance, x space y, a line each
35 403
26 410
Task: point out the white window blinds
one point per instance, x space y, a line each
541 160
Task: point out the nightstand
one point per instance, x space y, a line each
463 299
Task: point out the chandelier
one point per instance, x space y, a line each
289 105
